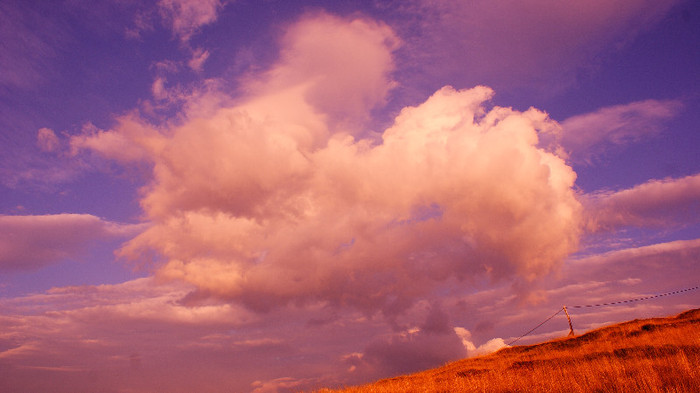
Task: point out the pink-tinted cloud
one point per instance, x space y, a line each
342 66
587 135
410 351
23 168
29 45
356 223
139 336
273 200
187 16
129 336
649 251
537 43
118 146
29 242
630 273
199 56
280 385
47 140
435 342
618 275
656 203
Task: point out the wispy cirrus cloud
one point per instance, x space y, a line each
588 135
187 16
30 42
539 44
30 242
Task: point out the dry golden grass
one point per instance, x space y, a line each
651 355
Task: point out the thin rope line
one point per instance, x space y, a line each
637 299
533 329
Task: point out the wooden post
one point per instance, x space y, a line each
571 327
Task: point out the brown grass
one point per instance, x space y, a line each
651 355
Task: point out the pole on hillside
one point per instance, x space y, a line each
571 327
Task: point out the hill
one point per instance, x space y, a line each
650 355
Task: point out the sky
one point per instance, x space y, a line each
273 196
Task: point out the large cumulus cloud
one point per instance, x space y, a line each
280 197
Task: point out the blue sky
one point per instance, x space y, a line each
316 193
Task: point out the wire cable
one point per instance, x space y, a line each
533 329
637 299
607 304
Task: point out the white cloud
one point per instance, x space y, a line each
486 348
277 385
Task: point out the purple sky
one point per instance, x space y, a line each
268 196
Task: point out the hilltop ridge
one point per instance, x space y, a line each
647 355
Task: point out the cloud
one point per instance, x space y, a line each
662 203
32 172
279 385
343 65
137 301
47 140
199 56
118 146
628 273
140 336
589 134
271 200
486 348
30 242
410 351
540 44
584 279
29 45
356 223
650 251
187 16
414 349
129 336
23 168
432 344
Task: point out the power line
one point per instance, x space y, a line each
602 305
533 329
637 299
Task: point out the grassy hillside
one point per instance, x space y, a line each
651 355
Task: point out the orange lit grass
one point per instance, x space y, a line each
652 355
